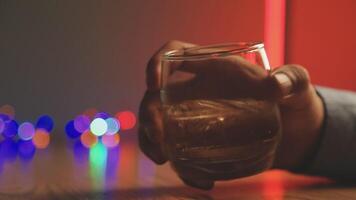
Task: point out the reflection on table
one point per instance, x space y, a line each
72 171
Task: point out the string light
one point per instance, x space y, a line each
98 126
111 140
71 131
93 127
102 115
10 129
113 126
23 139
41 139
45 122
82 123
8 110
127 119
88 139
26 131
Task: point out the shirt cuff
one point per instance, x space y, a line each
336 155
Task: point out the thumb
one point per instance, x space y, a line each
294 85
292 79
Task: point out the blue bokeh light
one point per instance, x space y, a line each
70 130
10 129
4 117
45 122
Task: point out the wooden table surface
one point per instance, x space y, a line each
67 170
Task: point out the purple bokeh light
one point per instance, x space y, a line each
2 125
102 115
82 123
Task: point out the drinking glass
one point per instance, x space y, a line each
219 120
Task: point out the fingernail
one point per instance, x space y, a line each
284 82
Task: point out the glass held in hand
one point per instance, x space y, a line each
220 120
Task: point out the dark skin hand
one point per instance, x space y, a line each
301 108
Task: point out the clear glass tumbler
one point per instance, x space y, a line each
219 119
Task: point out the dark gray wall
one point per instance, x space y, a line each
61 57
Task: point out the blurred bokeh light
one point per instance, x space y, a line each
98 126
26 131
111 140
71 131
88 139
4 117
8 110
41 139
82 123
10 129
22 139
113 126
45 122
93 127
127 119
102 115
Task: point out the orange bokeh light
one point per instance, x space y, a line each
41 139
8 110
88 139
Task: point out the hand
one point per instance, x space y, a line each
302 115
301 108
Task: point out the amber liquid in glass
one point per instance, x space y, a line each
221 139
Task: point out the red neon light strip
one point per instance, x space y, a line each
274 36
274 31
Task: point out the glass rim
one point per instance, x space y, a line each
217 50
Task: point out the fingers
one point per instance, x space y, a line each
153 70
150 117
150 128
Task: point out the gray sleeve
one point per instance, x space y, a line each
336 155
